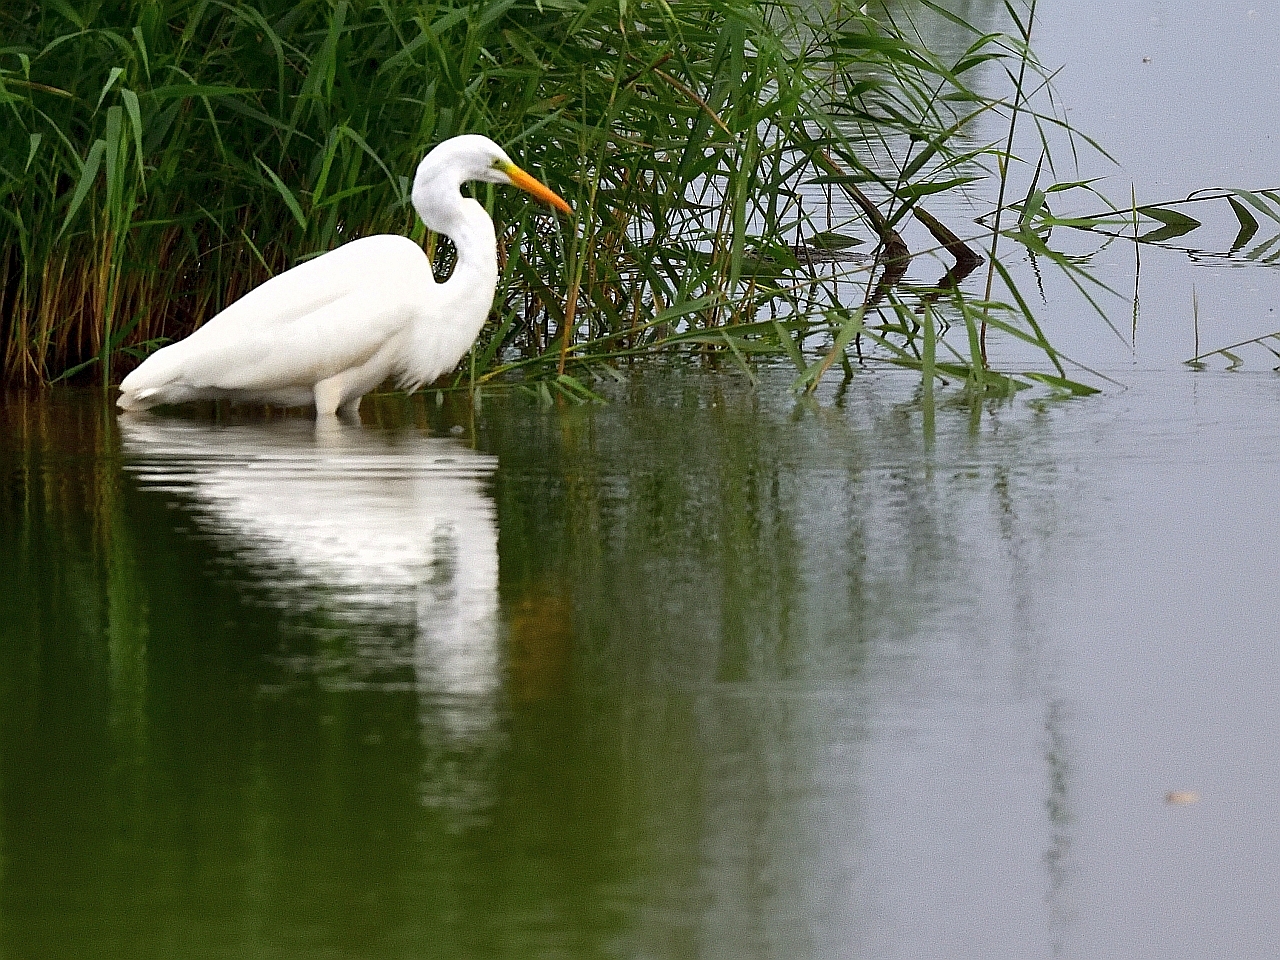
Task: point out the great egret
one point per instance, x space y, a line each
331 329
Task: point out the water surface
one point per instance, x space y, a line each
700 673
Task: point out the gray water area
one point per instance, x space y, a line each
706 671
703 672
1186 99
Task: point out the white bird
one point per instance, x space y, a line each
331 329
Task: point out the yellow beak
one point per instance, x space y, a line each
540 190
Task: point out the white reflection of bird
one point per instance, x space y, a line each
331 329
377 532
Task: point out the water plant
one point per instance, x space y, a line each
725 157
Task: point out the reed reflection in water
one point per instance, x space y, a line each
815 685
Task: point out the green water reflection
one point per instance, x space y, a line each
704 672
220 732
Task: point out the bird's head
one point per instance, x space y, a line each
473 157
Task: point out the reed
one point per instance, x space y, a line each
724 157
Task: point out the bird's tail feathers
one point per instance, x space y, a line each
137 399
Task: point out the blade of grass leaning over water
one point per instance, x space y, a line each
165 158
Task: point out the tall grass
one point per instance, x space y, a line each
162 157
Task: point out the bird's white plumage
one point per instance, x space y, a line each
333 328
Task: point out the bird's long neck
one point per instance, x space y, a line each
468 293
476 269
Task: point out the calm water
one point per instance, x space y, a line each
701 673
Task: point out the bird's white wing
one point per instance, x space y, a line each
357 267
323 316
338 336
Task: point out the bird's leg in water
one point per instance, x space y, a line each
329 396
